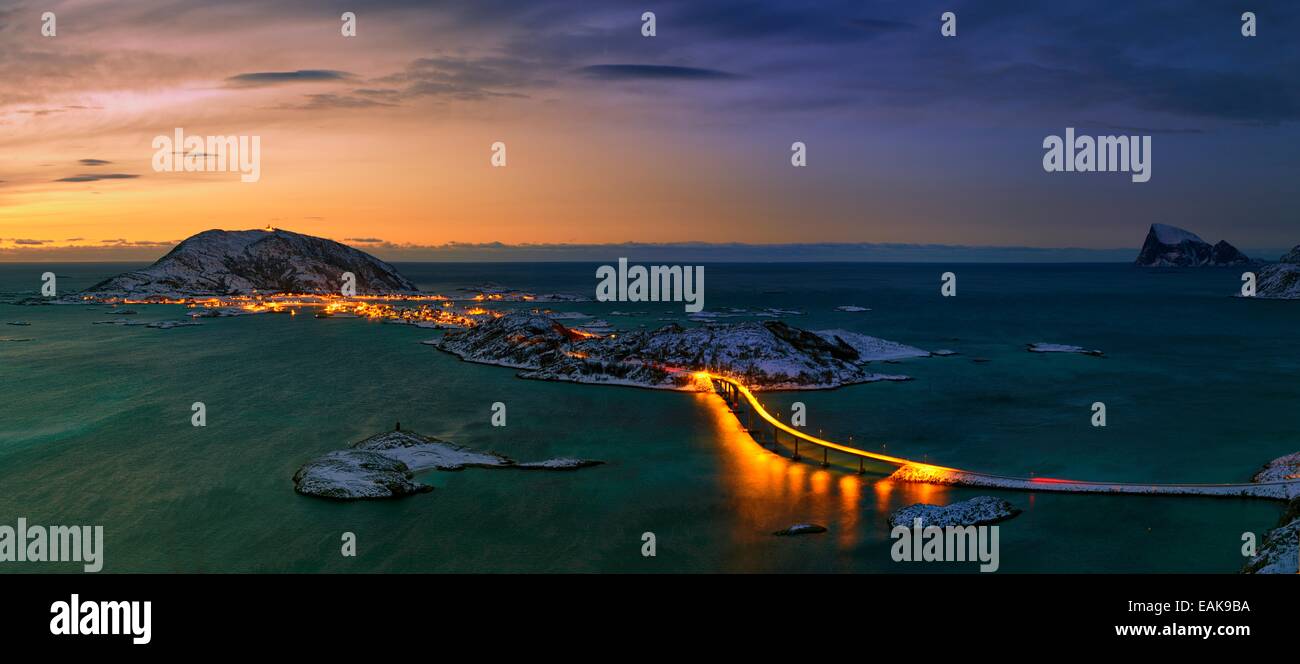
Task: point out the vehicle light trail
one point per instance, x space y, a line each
733 391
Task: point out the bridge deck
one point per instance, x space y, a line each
738 396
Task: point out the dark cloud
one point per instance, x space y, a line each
821 23
41 112
466 78
364 240
1016 61
317 102
616 72
88 177
1143 130
93 162
24 241
121 242
264 78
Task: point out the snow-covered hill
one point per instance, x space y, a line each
218 262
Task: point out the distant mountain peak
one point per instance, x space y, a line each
1174 235
1171 246
271 260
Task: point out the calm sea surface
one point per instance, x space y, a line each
1199 387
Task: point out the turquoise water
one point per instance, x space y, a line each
95 427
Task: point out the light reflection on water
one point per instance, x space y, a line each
755 477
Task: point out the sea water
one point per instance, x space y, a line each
1199 387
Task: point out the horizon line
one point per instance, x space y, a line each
675 252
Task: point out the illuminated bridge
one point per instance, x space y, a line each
746 407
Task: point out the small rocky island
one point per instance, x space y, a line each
1280 280
383 466
218 262
1061 348
801 529
1170 246
765 355
980 511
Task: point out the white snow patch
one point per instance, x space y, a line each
872 348
1167 234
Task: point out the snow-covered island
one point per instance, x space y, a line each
218 262
356 475
1170 246
383 465
1280 280
765 355
979 511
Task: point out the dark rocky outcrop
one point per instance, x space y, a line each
1280 280
1226 254
1170 246
801 529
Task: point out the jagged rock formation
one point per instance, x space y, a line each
1170 246
218 262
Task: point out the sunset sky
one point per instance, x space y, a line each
382 140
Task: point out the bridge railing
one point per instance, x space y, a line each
743 403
